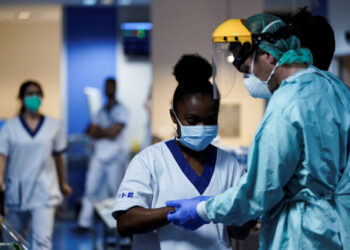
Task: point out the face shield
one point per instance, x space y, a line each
232 45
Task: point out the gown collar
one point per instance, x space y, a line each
32 133
299 73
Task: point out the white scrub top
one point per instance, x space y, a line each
107 149
31 177
160 173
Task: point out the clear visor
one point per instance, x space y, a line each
227 80
224 74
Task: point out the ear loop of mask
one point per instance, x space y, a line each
252 64
254 54
179 123
270 24
271 74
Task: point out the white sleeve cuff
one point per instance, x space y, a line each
202 211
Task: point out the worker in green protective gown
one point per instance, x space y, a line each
298 180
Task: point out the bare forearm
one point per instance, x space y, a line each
3 160
108 133
138 220
61 173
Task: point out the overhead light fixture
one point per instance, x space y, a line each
124 2
23 15
230 58
89 2
107 2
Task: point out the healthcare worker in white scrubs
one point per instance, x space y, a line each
32 168
299 161
186 166
108 162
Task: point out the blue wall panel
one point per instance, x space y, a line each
91 43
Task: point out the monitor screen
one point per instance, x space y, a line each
136 38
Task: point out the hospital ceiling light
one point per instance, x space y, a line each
124 2
107 2
230 58
89 2
23 15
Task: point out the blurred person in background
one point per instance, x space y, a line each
108 162
32 168
148 130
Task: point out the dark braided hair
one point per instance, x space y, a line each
192 72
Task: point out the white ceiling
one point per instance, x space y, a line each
31 13
286 6
50 10
74 2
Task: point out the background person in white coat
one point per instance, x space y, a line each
32 168
107 164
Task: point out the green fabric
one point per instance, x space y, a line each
285 51
301 55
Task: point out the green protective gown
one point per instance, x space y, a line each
298 177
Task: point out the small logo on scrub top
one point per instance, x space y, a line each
126 195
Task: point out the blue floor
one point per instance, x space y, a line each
64 238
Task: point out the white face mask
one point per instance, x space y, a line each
256 87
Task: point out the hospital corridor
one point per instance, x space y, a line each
174 125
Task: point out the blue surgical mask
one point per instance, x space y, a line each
197 137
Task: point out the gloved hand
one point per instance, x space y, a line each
185 215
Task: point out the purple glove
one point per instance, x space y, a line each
185 215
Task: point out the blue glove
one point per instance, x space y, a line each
185 215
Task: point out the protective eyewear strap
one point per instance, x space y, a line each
272 72
252 64
270 24
177 119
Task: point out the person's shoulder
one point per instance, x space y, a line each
228 161
149 155
222 151
120 109
120 106
225 155
11 123
154 148
52 120
12 120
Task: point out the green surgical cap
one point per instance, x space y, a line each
285 51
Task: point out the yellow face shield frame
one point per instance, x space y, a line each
232 30
232 43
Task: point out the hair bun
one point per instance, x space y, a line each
191 69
